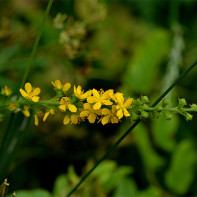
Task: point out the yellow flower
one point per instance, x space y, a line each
12 107
110 116
26 111
80 93
64 103
6 91
30 93
99 99
89 112
122 105
51 111
57 84
39 114
73 119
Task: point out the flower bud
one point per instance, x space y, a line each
144 99
165 102
188 116
144 114
182 102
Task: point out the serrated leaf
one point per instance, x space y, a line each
181 171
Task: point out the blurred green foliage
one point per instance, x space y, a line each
129 50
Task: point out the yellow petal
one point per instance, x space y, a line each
36 120
74 119
105 120
95 93
28 87
58 84
36 91
114 108
66 87
106 111
51 111
87 106
62 107
79 89
84 114
23 93
97 105
26 113
72 108
107 102
91 99
35 98
53 83
46 116
75 90
120 98
87 94
114 119
128 102
91 118
66 120
119 113
126 113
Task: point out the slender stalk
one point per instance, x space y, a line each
130 129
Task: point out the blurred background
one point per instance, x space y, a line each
136 47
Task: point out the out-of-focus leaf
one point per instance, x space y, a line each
143 66
61 186
6 54
116 177
33 193
150 158
181 171
150 192
163 132
126 188
104 171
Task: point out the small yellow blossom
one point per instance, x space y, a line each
110 116
30 93
6 91
89 112
51 111
26 111
99 99
64 103
80 93
12 107
73 119
57 84
37 116
122 105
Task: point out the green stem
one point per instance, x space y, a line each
130 129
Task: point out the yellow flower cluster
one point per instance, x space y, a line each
103 106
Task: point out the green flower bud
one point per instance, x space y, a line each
168 116
144 99
182 102
188 116
144 114
134 116
165 102
194 106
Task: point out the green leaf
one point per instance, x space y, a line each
126 188
150 158
104 171
143 66
61 186
150 192
181 171
164 131
33 193
117 176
